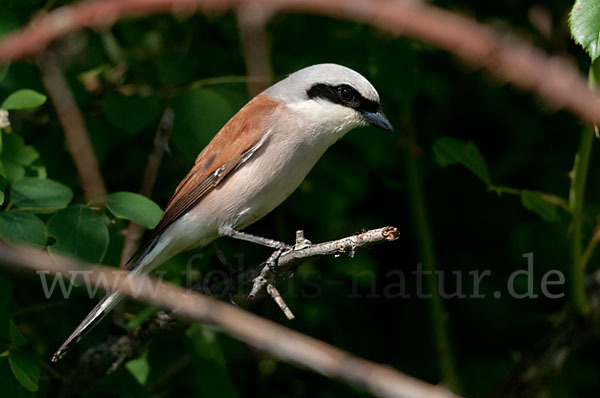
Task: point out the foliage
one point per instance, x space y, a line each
123 78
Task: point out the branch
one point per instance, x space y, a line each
283 343
252 20
107 356
73 124
304 250
507 57
134 231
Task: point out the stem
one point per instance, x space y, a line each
507 190
576 199
427 252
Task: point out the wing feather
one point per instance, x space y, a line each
233 145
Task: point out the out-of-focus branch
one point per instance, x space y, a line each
107 356
252 20
507 57
134 232
283 343
73 124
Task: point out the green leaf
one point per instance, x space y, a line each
200 114
8 19
15 150
38 194
22 228
3 182
141 316
4 70
210 362
16 337
450 151
585 26
79 232
535 202
23 99
139 368
26 372
135 207
5 291
131 114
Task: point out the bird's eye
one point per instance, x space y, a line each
346 93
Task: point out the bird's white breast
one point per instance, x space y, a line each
292 147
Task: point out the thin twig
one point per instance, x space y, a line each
73 124
134 232
274 293
281 342
507 57
302 251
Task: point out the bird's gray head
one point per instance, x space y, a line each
331 97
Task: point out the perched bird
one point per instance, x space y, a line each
253 163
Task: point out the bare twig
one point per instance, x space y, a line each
134 232
73 124
304 250
504 55
274 293
283 343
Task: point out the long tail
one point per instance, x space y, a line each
92 319
147 257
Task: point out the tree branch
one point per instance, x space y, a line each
304 250
73 124
107 356
507 57
134 232
281 342
252 20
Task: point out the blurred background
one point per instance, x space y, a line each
124 77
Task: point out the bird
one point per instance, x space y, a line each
257 159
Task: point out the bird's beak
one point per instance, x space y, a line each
377 119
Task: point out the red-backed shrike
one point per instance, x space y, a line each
256 161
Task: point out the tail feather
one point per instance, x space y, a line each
143 261
92 319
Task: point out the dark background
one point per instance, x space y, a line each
361 183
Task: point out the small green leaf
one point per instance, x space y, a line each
141 317
22 228
16 337
585 26
135 207
23 99
41 195
26 372
4 70
130 114
139 368
15 150
535 202
79 232
450 151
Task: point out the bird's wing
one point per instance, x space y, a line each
235 143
